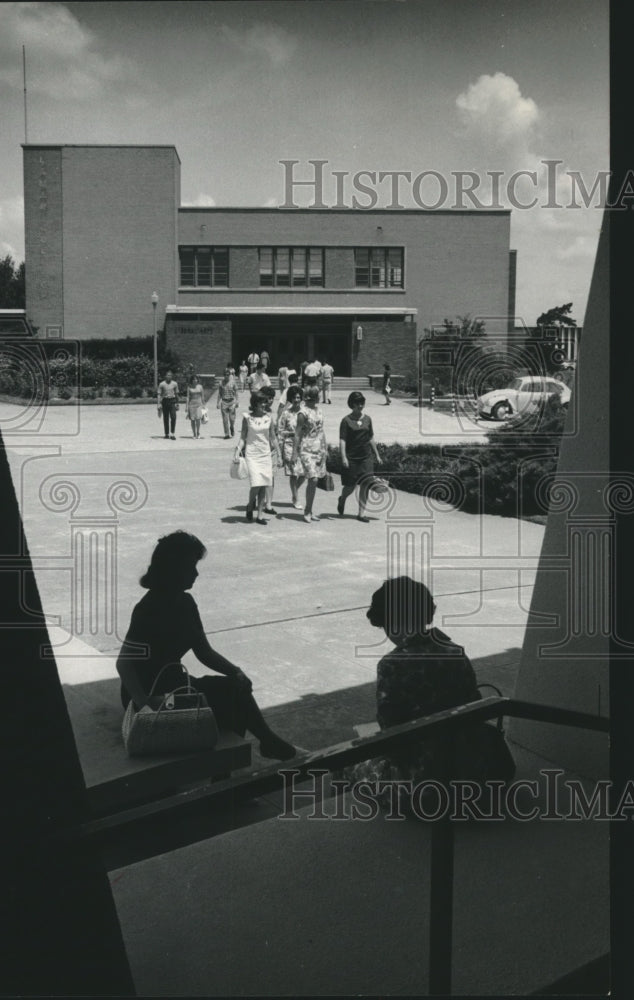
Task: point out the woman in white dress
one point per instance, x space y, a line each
258 444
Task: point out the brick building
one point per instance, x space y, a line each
105 229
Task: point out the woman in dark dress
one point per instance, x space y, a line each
165 625
359 454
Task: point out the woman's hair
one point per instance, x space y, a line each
193 379
312 392
256 399
355 397
402 606
293 378
173 555
268 391
387 368
294 392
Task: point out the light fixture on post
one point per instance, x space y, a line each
359 332
154 300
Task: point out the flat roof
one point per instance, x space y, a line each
100 145
348 211
298 310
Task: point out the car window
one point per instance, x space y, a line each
516 383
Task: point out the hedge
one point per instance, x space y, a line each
508 475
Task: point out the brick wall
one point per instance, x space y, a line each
43 251
119 237
206 345
384 342
456 262
244 267
339 267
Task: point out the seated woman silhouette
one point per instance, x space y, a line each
167 623
425 673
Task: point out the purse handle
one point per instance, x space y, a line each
190 686
190 690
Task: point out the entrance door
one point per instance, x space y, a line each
293 339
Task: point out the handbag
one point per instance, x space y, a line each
379 485
326 483
204 415
180 721
239 470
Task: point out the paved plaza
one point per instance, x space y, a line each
323 908
286 601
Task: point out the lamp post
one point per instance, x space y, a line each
154 300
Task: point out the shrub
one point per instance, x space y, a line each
114 391
502 476
134 392
64 393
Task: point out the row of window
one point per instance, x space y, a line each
292 267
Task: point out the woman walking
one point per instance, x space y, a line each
359 454
257 443
167 623
194 404
309 447
243 371
387 384
228 402
168 404
286 427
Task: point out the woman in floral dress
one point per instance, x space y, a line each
194 404
309 447
286 427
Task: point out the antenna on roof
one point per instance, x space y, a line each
26 139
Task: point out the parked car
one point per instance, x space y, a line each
526 393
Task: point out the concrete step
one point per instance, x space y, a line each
358 382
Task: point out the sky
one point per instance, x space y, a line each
368 85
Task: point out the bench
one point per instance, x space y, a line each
114 780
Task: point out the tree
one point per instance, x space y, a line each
463 340
11 284
557 316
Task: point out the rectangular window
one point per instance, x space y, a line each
378 267
299 267
204 267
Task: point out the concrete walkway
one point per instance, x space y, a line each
287 601
305 908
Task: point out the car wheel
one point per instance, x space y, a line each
501 411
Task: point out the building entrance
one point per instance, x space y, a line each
290 340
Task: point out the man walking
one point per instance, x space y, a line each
168 404
327 381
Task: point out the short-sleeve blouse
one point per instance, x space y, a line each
357 435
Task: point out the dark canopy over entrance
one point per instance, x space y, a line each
290 340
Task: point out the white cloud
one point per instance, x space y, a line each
201 201
62 60
262 39
12 227
495 108
581 248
